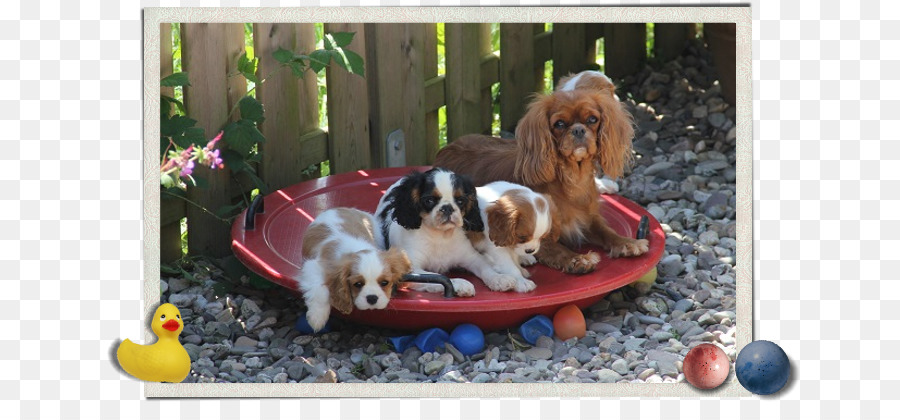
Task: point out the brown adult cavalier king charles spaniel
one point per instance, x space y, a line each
558 143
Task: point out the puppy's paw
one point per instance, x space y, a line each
462 287
632 248
500 282
527 260
524 285
581 264
524 273
316 318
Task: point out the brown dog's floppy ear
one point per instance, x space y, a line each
502 222
555 225
339 285
615 133
397 262
536 151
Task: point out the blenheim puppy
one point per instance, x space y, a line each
428 215
516 219
558 142
344 266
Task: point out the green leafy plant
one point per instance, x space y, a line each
183 144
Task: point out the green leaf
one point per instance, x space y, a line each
191 135
234 161
247 67
259 282
228 211
251 109
319 59
349 61
200 182
190 277
222 288
167 180
232 267
242 135
297 68
258 182
283 56
338 39
170 100
175 79
175 125
167 269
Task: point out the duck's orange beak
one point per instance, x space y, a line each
171 325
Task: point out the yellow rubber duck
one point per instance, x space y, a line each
163 361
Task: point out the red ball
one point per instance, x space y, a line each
706 366
569 322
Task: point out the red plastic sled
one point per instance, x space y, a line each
271 247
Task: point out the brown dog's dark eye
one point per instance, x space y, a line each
559 124
592 119
358 285
523 239
384 283
461 201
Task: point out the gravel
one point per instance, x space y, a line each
683 174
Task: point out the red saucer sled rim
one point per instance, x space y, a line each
272 249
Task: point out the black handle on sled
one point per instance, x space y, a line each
643 227
256 206
432 278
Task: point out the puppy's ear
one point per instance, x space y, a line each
471 211
339 285
615 133
404 201
397 262
536 151
502 221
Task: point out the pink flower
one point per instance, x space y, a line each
188 168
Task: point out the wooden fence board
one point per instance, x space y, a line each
348 108
516 72
432 130
169 231
543 41
395 57
463 81
669 40
205 49
625 48
569 49
485 52
291 104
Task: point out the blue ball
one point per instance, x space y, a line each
432 338
468 339
762 367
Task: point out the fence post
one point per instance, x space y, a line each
169 234
205 55
517 75
395 60
463 86
669 40
432 131
291 104
625 48
348 109
569 49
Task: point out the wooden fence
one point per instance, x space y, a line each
401 94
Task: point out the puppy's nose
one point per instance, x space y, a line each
529 251
371 299
578 131
446 210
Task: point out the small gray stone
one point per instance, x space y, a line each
544 342
434 366
699 111
684 305
717 119
603 328
620 366
481 378
657 168
646 374
634 343
661 336
182 300
539 353
249 308
608 376
671 266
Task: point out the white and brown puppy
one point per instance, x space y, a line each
345 267
428 215
516 219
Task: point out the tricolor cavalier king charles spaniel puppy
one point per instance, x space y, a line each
345 267
516 219
428 215
558 142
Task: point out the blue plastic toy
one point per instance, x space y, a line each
305 328
535 327
762 367
402 343
468 339
432 338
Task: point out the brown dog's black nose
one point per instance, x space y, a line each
529 251
578 131
371 299
446 210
